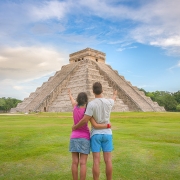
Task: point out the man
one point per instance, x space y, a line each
100 109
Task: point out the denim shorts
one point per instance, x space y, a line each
80 145
101 141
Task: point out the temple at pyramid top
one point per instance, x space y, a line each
87 53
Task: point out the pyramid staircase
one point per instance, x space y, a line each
82 81
52 96
46 94
135 99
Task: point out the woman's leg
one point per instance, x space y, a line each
83 161
74 166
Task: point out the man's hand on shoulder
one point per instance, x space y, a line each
82 122
73 127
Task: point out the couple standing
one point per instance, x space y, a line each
98 113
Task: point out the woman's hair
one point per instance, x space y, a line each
97 88
82 99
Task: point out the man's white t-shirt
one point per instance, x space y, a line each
100 109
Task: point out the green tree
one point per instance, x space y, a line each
2 103
169 100
141 89
177 96
151 95
165 99
7 103
178 108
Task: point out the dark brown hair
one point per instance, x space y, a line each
97 88
82 99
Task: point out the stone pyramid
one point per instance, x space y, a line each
86 67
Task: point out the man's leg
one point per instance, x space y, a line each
96 164
83 160
108 163
96 149
74 166
107 147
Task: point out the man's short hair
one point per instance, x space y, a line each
97 88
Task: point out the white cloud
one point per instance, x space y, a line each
154 11
171 41
116 42
155 22
83 40
121 49
125 45
175 66
2 58
6 82
162 26
23 63
43 64
26 68
49 9
18 87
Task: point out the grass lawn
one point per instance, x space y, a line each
35 146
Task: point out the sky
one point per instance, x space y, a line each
141 40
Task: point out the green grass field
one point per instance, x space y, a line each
35 147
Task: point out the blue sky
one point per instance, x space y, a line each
141 40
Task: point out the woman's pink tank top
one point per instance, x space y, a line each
82 132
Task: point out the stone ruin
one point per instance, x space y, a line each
86 67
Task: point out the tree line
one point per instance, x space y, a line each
7 103
170 101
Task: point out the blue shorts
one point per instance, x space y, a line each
101 141
80 145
